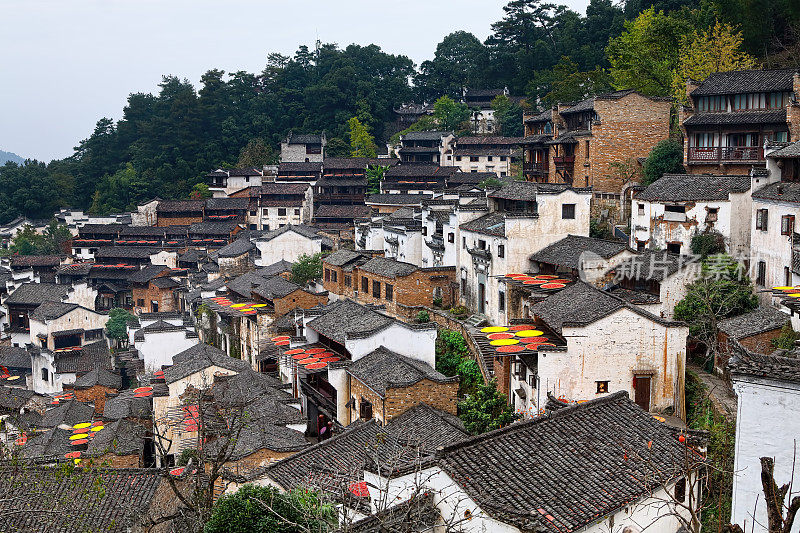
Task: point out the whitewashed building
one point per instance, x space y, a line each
671 211
768 400
289 243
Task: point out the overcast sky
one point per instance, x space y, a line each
64 64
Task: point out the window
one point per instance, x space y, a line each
481 244
674 247
281 211
376 289
366 409
463 285
787 276
140 302
587 149
451 237
348 280
502 158
711 216
388 291
761 275
364 285
424 231
464 242
787 224
326 274
568 211
297 212
489 158
501 250
334 276
253 212
265 212
641 209
473 158
501 301
680 490
458 158
602 387
762 216
640 246
44 374
675 209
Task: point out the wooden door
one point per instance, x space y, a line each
641 385
481 298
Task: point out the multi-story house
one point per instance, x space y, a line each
222 183
299 172
227 209
179 212
582 144
731 115
479 102
343 181
424 146
668 214
303 148
280 204
422 178
521 218
483 154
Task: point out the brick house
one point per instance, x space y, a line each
158 294
579 143
227 210
732 115
93 386
753 331
179 212
399 286
343 181
236 258
338 271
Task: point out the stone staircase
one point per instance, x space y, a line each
475 320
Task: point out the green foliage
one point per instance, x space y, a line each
453 357
600 229
362 144
49 242
787 338
459 311
186 455
337 147
375 174
256 153
486 409
508 115
700 414
423 317
27 190
200 191
568 84
117 325
255 509
425 123
456 65
449 114
490 183
708 243
307 268
666 157
437 302
723 290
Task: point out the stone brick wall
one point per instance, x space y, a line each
298 298
442 396
418 288
165 298
96 395
166 219
112 460
502 373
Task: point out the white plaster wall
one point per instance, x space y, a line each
288 246
82 294
496 165
416 344
767 425
159 347
165 257
75 319
770 246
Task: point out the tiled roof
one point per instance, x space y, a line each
565 471
488 140
180 206
791 150
227 204
18 261
345 317
424 135
127 405
279 267
37 293
569 137
99 376
260 282
158 231
752 365
300 167
52 310
303 138
275 287
68 412
198 358
13 399
489 224
737 117
782 191
147 273
120 437
762 319
411 516
335 464
342 211
347 163
390 268
746 81
212 228
342 256
301 229
72 504
88 358
268 189
693 188
397 199
383 369
568 251
109 229
544 116
528 190
14 357
124 252
588 104
653 265
420 170
244 172
236 248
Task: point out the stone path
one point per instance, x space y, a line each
720 393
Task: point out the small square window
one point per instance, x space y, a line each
297 212
281 211
567 211
451 237
602 387
501 250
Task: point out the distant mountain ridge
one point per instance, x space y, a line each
10 156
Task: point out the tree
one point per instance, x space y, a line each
375 175
645 55
362 143
51 241
704 52
490 183
265 509
26 241
449 114
307 268
707 243
337 147
486 409
568 84
255 154
722 290
117 326
508 115
200 191
786 340
666 157
458 64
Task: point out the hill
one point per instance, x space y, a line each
9 156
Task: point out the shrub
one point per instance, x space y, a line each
423 317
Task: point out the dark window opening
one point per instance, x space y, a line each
761 277
680 490
376 289
364 285
568 211
602 387
388 291
366 409
501 250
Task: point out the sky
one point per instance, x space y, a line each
64 64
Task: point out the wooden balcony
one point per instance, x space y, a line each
565 162
717 154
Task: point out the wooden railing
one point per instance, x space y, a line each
726 153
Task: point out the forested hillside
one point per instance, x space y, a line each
165 142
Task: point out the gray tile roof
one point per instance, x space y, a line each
772 116
236 248
746 81
147 273
567 252
120 506
527 190
346 317
343 211
68 412
791 150
37 293
336 463
424 135
198 358
567 470
120 437
304 138
212 228
165 282
397 199
342 256
227 204
300 167
782 191
383 369
14 357
301 229
279 267
52 310
762 319
92 355
653 265
13 399
275 287
588 104
180 206
489 224
124 252
751 365
99 376
389 268
693 188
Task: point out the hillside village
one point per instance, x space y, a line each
453 346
